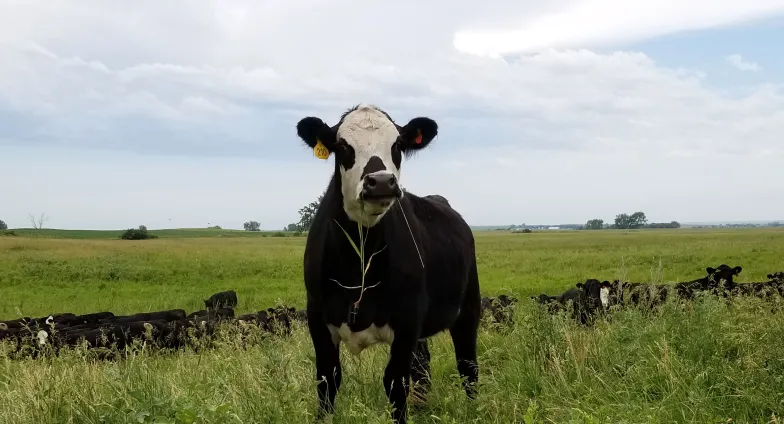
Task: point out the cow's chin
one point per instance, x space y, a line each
374 208
368 212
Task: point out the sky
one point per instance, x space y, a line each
183 114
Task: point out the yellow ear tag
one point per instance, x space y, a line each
320 150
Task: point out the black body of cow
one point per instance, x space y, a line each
168 315
499 308
711 283
636 294
225 299
424 280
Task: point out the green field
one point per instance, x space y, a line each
705 362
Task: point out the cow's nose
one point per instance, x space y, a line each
380 185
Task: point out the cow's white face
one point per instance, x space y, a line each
368 148
604 296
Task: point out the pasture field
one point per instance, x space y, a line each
705 362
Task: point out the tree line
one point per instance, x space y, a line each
626 221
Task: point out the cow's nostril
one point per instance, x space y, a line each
392 181
371 182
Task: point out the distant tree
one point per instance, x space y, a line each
308 212
252 226
291 227
594 224
215 227
622 221
638 220
38 223
625 221
3 225
673 224
140 233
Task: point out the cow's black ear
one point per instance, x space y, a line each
737 270
580 285
710 270
312 130
770 276
417 134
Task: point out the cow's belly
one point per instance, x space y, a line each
357 341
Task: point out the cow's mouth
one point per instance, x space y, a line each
376 206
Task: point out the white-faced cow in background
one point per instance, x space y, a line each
422 278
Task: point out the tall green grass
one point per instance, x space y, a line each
701 363
705 362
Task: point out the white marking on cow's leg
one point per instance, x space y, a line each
49 320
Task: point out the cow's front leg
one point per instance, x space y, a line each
328 372
398 373
420 374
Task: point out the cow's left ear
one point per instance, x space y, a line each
737 270
417 134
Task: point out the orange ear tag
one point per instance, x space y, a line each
320 150
418 139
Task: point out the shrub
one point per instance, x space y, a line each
137 234
3 225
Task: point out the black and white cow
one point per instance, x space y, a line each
423 276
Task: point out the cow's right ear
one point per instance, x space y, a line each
312 130
710 270
770 276
580 285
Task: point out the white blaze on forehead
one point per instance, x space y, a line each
370 133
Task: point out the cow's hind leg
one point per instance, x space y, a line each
420 374
464 335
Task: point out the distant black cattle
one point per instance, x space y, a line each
499 308
626 293
224 299
423 277
167 315
719 280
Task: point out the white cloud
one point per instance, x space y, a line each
592 23
737 61
232 79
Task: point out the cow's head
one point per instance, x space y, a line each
722 276
368 147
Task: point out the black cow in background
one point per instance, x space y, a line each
423 276
719 280
224 299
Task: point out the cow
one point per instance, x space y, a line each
167 315
423 276
499 308
224 299
717 281
651 295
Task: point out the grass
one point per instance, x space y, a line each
700 363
